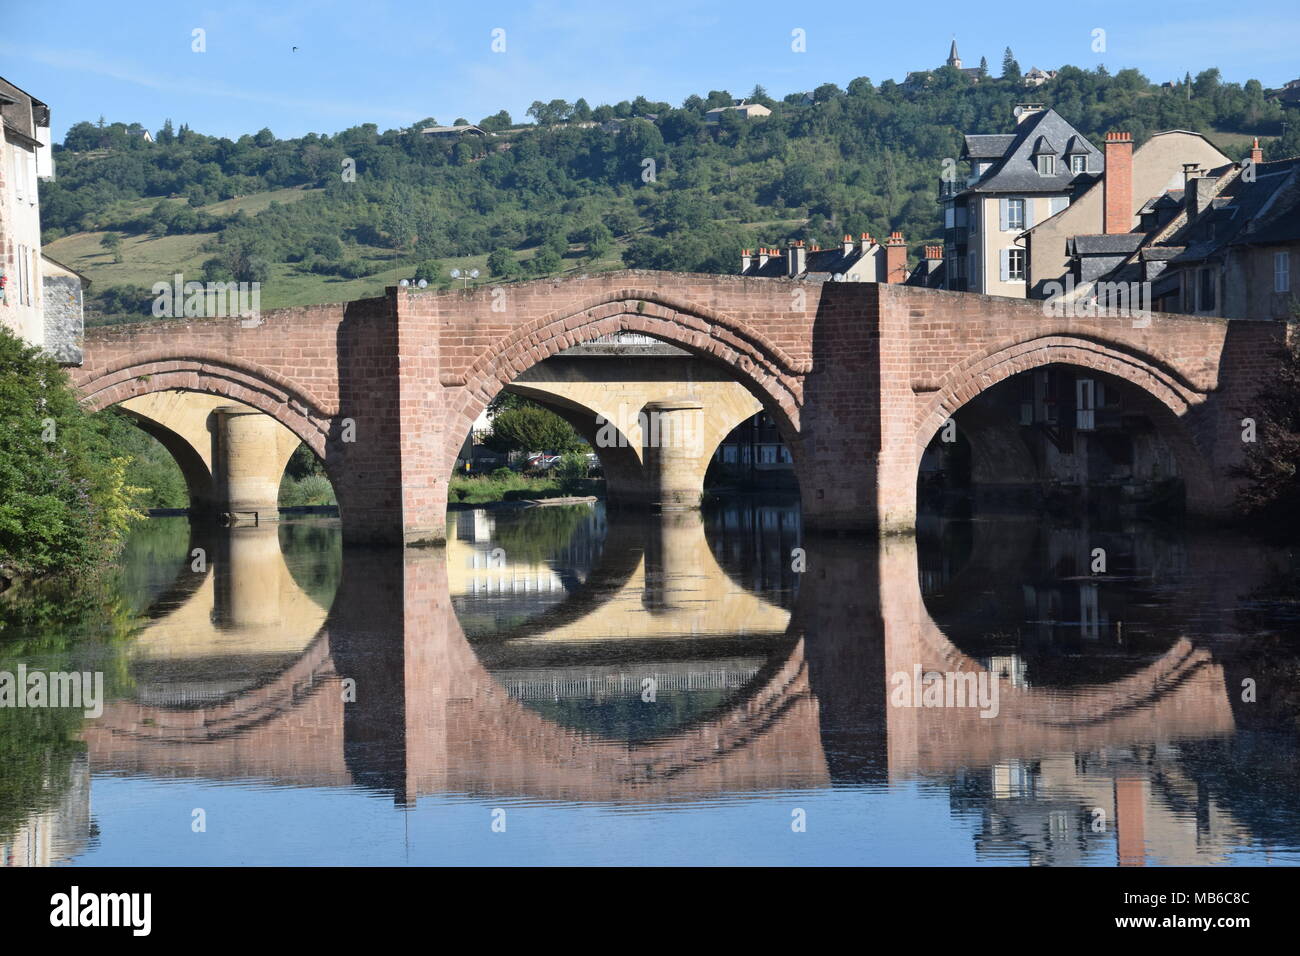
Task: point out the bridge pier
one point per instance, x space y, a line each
673 449
248 465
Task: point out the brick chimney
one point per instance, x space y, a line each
746 257
848 245
1256 154
1117 184
895 258
797 263
933 258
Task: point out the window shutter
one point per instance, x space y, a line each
1004 263
1003 215
1029 212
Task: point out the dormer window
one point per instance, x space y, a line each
1047 165
1078 164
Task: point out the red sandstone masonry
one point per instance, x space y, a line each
859 376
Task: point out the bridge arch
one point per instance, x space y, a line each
246 383
763 368
1170 399
203 412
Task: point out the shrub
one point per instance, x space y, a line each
64 500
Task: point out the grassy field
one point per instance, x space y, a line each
149 259
145 259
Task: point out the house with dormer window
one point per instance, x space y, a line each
1014 181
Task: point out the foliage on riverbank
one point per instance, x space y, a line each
506 485
65 502
1271 492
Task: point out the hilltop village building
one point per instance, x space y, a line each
919 78
745 110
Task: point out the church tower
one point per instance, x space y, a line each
954 60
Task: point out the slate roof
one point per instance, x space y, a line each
1016 171
1278 218
1108 244
1232 215
987 145
1264 211
823 262
19 108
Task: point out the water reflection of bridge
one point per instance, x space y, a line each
805 707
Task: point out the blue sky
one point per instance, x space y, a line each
392 63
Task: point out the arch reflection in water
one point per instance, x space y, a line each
767 680
659 639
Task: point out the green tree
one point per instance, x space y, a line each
1010 68
64 500
502 263
1271 491
112 244
530 428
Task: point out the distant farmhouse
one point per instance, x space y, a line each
747 110
454 132
1037 77
1289 94
920 78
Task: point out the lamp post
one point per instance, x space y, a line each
465 276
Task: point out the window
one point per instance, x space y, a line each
1207 289
949 216
16 170
1015 214
1085 405
1078 164
1047 165
1057 203
1281 272
1016 265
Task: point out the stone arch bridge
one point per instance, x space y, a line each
858 377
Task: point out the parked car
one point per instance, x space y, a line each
541 461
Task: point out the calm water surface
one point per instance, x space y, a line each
563 685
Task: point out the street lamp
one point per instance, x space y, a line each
465 276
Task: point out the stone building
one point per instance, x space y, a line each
1226 243
1015 180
